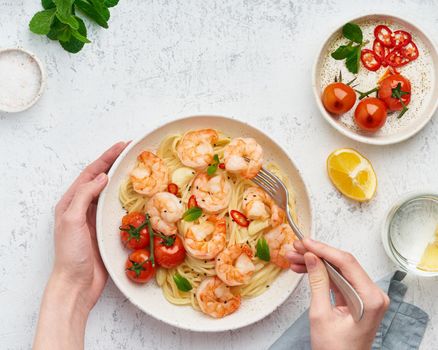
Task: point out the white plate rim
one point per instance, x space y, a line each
99 213
42 85
349 133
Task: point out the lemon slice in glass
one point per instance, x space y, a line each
352 174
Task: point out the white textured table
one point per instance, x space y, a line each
164 59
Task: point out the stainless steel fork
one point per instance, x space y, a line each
278 191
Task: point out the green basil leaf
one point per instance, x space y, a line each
42 21
262 250
78 38
87 9
352 61
182 283
111 3
192 214
212 169
352 32
342 52
48 4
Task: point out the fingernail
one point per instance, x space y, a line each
310 260
100 178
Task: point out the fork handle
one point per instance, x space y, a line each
353 300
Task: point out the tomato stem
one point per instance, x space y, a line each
151 241
134 232
362 95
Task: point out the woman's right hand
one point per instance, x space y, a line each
332 326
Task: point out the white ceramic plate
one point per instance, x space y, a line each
423 74
149 297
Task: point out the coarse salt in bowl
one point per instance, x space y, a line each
22 80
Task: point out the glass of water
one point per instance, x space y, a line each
409 228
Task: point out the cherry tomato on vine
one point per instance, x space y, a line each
388 94
338 98
169 251
134 232
138 267
370 114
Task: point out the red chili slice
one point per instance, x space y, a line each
370 60
239 218
401 38
396 59
222 165
384 35
172 188
380 50
410 51
192 202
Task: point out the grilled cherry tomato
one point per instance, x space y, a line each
396 59
401 38
169 251
138 267
386 93
370 114
384 35
410 51
222 165
239 218
370 60
380 50
134 232
338 98
192 202
172 188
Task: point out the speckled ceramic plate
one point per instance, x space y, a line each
423 74
149 297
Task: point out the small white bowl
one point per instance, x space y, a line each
26 74
423 74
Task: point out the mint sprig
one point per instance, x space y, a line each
60 22
351 51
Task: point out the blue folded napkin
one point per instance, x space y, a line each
402 328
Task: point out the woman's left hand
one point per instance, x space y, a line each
78 276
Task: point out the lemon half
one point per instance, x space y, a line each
352 174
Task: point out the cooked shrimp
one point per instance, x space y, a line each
150 175
280 241
258 205
213 193
234 265
206 240
236 152
195 149
165 209
216 299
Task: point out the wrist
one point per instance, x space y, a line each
66 296
63 316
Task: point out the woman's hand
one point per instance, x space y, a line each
332 326
78 275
